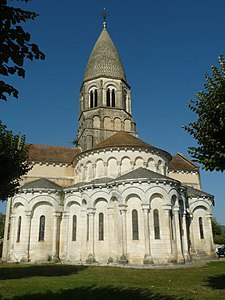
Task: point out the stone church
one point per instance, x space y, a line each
113 199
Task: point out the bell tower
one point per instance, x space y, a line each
105 98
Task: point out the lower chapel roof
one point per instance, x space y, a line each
139 174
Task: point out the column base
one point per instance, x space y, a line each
148 260
123 260
110 260
55 259
90 259
180 259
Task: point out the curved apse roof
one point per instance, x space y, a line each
104 60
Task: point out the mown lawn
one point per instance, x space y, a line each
82 282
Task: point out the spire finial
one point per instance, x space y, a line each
104 15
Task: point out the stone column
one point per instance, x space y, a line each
91 255
180 257
167 209
119 167
209 219
65 225
55 254
123 210
105 169
111 240
94 170
132 165
192 246
28 215
185 237
148 257
84 240
12 236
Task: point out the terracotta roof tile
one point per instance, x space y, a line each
122 138
42 183
52 154
180 163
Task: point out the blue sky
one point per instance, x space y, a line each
165 46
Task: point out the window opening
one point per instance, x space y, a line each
201 228
18 229
156 224
42 228
74 228
135 224
101 227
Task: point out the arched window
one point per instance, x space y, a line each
87 227
135 224
42 228
101 227
18 229
156 224
96 98
108 97
113 98
201 228
74 228
91 99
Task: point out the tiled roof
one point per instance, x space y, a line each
195 192
180 163
142 173
52 154
42 183
122 138
104 60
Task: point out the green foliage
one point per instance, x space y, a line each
218 232
209 128
15 45
13 161
216 227
2 225
219 239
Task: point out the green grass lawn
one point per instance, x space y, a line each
82 282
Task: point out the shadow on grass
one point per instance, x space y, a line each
44 270
93 292
216 282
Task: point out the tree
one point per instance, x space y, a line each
209 128
15 45
13 161
218 232
2 225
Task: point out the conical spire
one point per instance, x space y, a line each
104 60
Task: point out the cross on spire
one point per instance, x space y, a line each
104 15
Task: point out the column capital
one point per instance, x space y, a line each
167 206
65 214
122 207
145 207
56 214
28 213
176 209
91 210
110 210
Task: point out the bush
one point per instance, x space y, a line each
219 239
